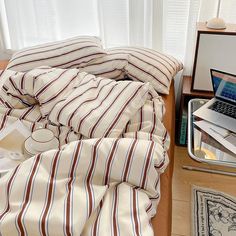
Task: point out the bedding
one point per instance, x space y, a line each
141 64
99 186
43 85
68 53
81 186
92 106
101 111
108 66
4 99
86 53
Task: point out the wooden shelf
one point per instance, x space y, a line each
230 28
186 90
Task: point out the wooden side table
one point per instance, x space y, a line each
186 95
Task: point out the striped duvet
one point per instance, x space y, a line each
99 186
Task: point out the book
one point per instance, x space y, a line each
183 130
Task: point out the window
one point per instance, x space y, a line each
166 25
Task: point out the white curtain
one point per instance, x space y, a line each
179 29
4 34
165 25
123 22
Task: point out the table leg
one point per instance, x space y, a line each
220 172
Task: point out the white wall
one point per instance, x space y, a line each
4 55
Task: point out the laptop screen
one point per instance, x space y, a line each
224 85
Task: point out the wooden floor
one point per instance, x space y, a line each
182 181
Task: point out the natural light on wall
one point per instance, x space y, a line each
120 22
33 22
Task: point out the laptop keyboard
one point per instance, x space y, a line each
224 108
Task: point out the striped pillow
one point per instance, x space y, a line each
69 53
141 64
148 65
99 107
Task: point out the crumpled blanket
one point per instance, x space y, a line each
90 187
99 186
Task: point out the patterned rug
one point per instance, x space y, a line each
213 213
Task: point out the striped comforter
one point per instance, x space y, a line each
90 186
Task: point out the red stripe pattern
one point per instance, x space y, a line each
63 192
100 186
141 64
100 107
62 54
45 86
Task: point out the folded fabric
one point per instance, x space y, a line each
11 100
44 86
69 53
146 123
141 64
99 107
92 106
110 66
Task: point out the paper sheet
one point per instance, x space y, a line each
223 136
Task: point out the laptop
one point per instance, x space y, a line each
221 110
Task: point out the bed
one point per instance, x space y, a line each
162 221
